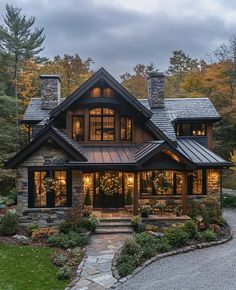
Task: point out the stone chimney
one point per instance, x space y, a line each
156 90
50 91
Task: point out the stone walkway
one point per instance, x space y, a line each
94 273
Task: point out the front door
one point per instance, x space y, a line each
108 191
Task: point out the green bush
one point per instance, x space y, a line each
213 210
163 245
9 224
176 236
90 223
145 239
32 227
128 197
190 227
125 269
209 235
131 247
136 220
58 258
149 251
70 240
64 273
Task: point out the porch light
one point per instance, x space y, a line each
130 178
87 180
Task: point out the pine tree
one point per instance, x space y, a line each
18 43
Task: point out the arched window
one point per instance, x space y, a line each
101 124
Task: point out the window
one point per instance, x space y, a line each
125 129
49 188
40 195
156 182
213 181
197 182
102 124
197 129
96 92
78 128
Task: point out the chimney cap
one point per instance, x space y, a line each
50 77
156 75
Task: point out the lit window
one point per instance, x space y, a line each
60 188
102 124
40 194
213 181
196 182
197 129
78 128
95 93
125 129
108 93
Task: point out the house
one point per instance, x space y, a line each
104 142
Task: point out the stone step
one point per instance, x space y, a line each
114 230
114 224
115 220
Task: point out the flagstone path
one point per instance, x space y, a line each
95 273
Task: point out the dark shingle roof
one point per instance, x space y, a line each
34 113
199 154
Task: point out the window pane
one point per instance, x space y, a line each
108 112
107 93
198 129
95 93
179 183
213 182
197 182
40 196
78 128
61 188
146 183
185 130
163 182
125 129
95 128
108 128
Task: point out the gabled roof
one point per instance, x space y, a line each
46 134
199 154
187 109
112 82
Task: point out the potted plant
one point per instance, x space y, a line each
87 199
178 210
128 198
161 207
145 212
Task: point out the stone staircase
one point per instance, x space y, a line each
114 226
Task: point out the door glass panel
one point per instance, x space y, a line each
40 195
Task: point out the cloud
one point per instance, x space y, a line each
119 34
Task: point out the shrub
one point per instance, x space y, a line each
149 251
64 273
145 212
9 224
145 239
125 269
163 245
70 240
176 236
66 227
58 258
209 235
87 199
128 198
90 223
132 248
151 228
44 233
190 227
215 228
213 209
31 228
136 220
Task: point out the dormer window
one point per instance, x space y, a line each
101 124
193 129
78 128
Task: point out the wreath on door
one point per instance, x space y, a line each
110 183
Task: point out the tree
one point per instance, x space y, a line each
136 83
72 69
18 43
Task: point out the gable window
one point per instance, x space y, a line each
197 129
78 128
48 188
96 92
125 129
101 124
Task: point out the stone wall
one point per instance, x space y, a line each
50 91
45 156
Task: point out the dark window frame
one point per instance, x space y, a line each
50 172
178 127
102 116
190 181
131 133
72 122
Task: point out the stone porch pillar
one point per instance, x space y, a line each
77 189
184 194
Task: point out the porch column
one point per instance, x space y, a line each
77 190
184 194
135 201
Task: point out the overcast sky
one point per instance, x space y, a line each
118 34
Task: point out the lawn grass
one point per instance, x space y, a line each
27 268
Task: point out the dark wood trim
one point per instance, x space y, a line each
136 194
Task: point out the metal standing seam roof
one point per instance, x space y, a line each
199 154
145 148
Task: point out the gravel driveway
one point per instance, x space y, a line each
211 269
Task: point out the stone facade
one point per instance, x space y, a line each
156 90
48 155
50 91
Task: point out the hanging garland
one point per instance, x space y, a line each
110 183
49 184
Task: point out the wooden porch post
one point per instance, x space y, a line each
184 194
135 201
